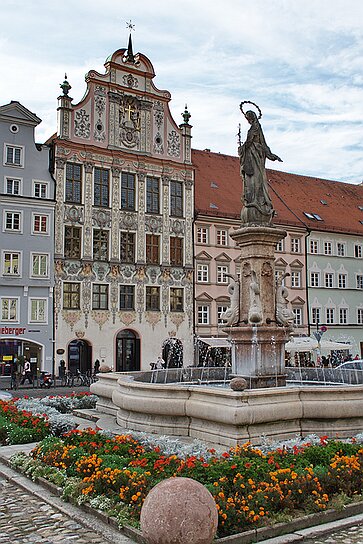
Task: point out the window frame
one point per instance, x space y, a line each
314 247
17 309
152 201
128 193
330 316
34 255
73 196
298 316
295 244
152 298
74 251
12 163
11 273
176 250
295 277
329 280
176 299
5 221
100 300
202 273
316 315
30 309
222 237
203 314
72 292
328 248
7 179
42 216
41 184
203 232
359 281
127 246
314 276
343 312
222 278
102 201
176 199
100 253
127 296
152 248
345 282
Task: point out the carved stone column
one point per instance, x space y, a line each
189 213
140 257
165 240
87 234
258 342
59 208
145 126
115 214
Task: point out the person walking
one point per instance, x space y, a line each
14 374
27 374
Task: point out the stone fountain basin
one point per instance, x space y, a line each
226 417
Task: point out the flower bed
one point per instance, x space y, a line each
31 419
251 487
21 426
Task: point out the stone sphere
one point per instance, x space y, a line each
104 368
179 511
238 384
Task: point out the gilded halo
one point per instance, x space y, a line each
253 104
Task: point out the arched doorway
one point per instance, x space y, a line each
127 351
79 356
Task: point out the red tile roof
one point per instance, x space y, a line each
218 190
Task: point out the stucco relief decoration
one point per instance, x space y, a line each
129 122
128 221
80 334
73 214
153 224
173 144
72 268
130 81
153 318
140 301
71 317
177 274
158 144
127 271
100 317
177 227
100 270
177 319
127 318
153 273
100 106
101 218
82 125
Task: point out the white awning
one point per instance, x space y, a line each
216 342
332 345
305 343
301 343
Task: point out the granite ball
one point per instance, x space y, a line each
104 368
238 384
179 511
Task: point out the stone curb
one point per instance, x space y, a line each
87 517
302 529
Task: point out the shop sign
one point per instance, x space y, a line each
12 330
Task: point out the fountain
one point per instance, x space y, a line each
259 324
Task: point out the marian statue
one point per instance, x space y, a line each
253 154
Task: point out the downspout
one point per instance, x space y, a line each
307 278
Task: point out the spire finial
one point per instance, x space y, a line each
129 57
65 86
186 115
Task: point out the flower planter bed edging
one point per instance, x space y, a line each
248 537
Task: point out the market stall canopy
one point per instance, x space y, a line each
330 345
216 342
303 343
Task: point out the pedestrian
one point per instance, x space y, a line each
96 367
14 374
27 374
160 363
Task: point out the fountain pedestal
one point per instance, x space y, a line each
258 340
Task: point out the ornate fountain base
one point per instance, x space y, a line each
258 354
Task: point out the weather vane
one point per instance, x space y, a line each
129 25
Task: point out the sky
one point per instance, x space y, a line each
300 61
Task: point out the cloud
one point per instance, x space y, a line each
302 62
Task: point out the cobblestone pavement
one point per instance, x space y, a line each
353 535
26 519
